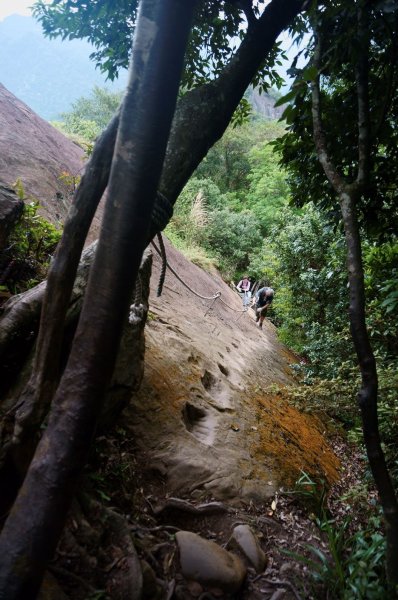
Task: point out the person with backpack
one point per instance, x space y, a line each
243 288
263 299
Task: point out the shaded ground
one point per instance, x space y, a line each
88 565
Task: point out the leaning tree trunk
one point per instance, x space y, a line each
28 539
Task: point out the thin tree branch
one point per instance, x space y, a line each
45 372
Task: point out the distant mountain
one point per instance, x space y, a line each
264 104
48 75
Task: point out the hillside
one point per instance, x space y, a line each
208 415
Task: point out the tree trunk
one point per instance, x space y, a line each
349 193
367 395
28 539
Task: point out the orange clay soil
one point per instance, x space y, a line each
294 441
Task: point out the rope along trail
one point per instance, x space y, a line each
214 297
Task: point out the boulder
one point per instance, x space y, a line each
10 210
248 543
209 564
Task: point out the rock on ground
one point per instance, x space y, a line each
245 539
209 564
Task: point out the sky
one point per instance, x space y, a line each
11 7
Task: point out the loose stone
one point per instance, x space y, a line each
208 563
250 546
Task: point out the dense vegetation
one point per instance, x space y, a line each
31 243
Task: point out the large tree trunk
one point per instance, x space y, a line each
367 395
28 539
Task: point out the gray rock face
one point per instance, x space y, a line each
203 416
47 163
10 209
248 543
36 153
208 563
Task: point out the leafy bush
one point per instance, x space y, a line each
31 244
352 567
232 238
89 116
192 252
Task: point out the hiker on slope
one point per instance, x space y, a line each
263 299
243 288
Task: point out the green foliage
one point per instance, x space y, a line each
31 244
268 194
387 415
191 218
304 258
351 568
381 283
82 132
212 195
337 29
244 193
228 163
196 254
335 400
89 116
233 238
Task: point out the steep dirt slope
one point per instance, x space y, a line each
209 419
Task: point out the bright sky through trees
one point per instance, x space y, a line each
12 7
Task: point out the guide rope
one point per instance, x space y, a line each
165 264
